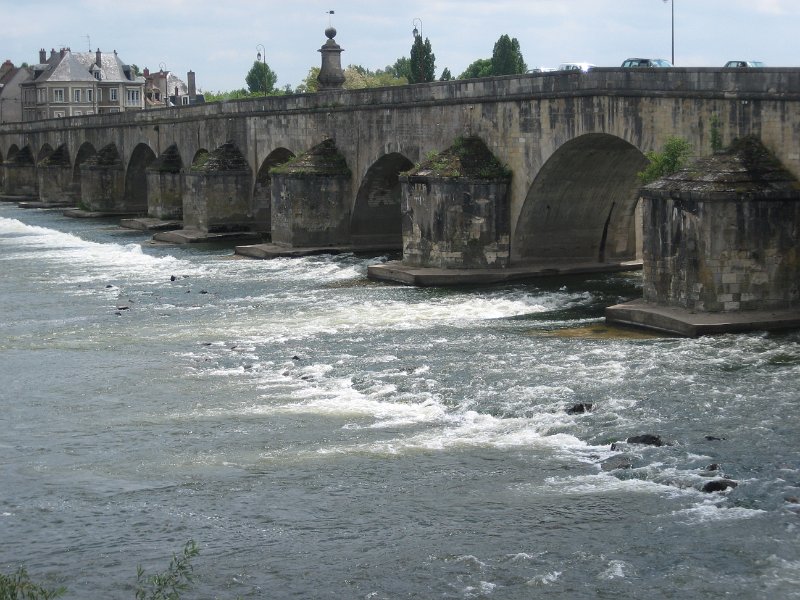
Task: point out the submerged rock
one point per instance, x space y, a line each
646 439
719 485
616 462
581 407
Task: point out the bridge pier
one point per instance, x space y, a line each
720 247
54 175
216 199
102 185
310 205
21 182
165 186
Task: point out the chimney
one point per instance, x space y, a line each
52 53
98 60
192 87
146 72
42 56
62 52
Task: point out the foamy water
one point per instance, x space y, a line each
320 435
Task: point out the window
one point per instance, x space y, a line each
77 95
41 95
185 100
97 75
100 95
58 95
77 113
90 95
112 94
58 113
133 98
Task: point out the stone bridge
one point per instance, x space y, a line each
573 143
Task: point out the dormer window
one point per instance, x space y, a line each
97 75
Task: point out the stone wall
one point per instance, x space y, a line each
722 255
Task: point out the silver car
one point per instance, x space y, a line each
744 64
632 63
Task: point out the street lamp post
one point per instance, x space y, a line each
672 5
262 56
417 33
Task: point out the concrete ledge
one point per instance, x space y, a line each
197 236
265 251
680 321
397 272
4 198
46 204
79 213
150 224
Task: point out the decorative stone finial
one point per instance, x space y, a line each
331 76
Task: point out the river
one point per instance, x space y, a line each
319 435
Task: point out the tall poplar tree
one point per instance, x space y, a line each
507 57
422 62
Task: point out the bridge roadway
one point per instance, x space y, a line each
573 142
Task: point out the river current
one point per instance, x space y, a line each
323 436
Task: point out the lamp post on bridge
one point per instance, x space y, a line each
416 51
262 57
672 5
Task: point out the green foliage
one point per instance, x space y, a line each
310 83
716 136
260 79
673 157
507 57
401 68
19 587
422 61
358 77
169 584
446 75
480 68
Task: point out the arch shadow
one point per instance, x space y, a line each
135 195
581 206
376 216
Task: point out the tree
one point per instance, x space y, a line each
422 62
507 57
446 75
310 83
261 79
675 154
401 68
480 68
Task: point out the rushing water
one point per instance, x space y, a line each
322 436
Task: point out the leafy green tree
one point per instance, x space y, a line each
310 83
507 57
422 61
675 154
261 79
401 68
446 75
480 68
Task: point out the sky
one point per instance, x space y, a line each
219 39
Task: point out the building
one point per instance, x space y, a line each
68 84
10 94
165 89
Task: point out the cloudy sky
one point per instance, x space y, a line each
218 39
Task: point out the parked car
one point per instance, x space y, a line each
576 66
744 64
646 62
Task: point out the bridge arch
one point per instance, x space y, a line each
85 152
581 204
45 151
12 152
136 177
376 218
262 188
